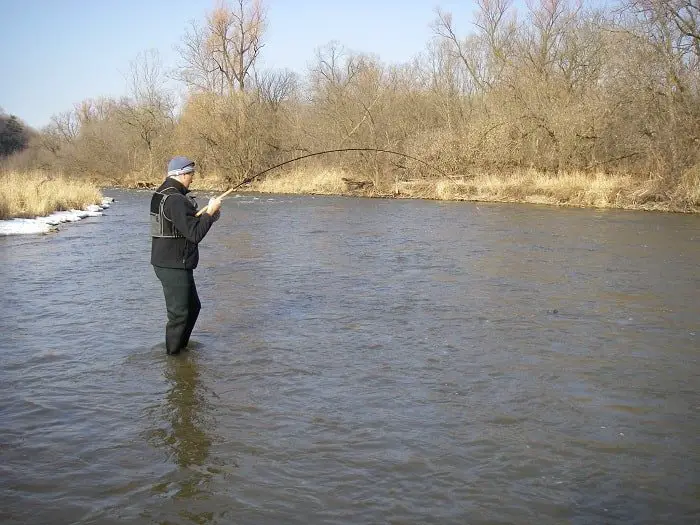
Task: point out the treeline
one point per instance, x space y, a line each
565 88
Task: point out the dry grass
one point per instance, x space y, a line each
689 188
308 181
35 194
530 186
568 189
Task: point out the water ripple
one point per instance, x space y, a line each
357 361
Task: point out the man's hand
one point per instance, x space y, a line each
213 206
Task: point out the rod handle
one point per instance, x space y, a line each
207 206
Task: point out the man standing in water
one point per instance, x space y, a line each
175 233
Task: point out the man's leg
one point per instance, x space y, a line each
194 308
176 289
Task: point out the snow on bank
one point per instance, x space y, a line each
50 223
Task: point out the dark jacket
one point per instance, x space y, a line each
180 252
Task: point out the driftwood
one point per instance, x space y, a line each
356 185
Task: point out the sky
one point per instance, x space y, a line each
57 53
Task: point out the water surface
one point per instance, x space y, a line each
357 361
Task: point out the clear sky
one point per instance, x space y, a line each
56 53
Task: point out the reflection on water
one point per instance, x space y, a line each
359 361
186 407
183 431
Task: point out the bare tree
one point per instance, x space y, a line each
498 28
550 21
485 54
467 50
220 56
275 87
663 72
149 109
64 126
197 69
335 81
672 27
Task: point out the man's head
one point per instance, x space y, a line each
182 169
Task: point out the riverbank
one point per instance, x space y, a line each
35 202
37 194
51 222
524 186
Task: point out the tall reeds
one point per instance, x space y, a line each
36 194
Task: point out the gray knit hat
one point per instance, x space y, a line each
180 166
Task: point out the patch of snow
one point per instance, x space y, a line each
51 222
24 226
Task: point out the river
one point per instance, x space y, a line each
357 361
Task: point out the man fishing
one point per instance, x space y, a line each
176 231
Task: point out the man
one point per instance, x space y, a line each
175 233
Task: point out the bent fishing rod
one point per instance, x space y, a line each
252 178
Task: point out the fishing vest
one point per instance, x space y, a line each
161 226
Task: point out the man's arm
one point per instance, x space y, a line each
183 216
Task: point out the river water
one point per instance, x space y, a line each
357 361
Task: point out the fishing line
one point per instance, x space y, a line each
250 179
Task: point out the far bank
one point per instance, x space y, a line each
523 186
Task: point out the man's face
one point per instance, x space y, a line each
187 179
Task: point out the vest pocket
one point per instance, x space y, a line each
185 251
